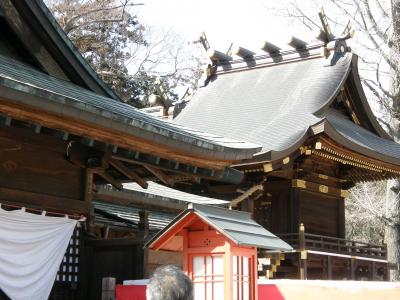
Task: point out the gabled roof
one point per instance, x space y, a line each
279 101
237 226
40 32
36 90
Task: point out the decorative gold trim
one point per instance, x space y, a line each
267 168
298 183
355 119
286 160
347 159
253 170
323 188
344 193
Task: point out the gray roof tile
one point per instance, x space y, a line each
271 106
238 226
276 105
52 92
155 190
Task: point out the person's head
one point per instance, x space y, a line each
169 283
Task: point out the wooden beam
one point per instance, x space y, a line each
42 201
167 167
99 133
246 194
164 178
111 180
128 172
302 184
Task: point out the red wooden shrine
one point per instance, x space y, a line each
219 251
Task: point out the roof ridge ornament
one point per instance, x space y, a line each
297 43
336 44
270 48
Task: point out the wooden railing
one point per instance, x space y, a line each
307 241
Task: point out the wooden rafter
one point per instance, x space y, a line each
166 167
122 168
246 195
164 178
111 180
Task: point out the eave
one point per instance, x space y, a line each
42 22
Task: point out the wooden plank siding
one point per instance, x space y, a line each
321 214
34 171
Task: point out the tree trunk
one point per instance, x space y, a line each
392 229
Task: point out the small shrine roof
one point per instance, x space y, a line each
237 226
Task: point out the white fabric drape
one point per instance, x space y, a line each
31 250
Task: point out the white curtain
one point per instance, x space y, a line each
31 250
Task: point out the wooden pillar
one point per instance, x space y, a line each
324 267
341 231
89 186
251 207
303 252
108 288
186 257
294 210
88 197
144 222
228 280
373 271
143 227
353 268
329 262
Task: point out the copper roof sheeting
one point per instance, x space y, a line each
23 84
276 104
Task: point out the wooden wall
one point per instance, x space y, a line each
159 258
274 210
282 208
34 165
321 213
119 258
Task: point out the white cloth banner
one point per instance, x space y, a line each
31 250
